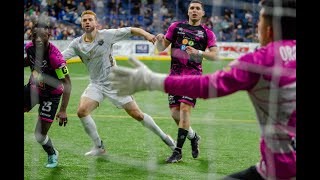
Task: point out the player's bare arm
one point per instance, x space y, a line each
145 34
63 75
161 42
212 54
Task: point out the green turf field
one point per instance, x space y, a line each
227 125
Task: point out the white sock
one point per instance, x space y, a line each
191 133
91 129
45 140
149 123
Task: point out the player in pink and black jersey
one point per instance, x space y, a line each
189 41
49 82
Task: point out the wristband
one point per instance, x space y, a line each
200 53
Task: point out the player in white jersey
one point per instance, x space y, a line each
94 48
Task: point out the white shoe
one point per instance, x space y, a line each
96 151
170 142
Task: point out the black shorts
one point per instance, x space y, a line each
176 100
48 105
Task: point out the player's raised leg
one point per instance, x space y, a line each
147 121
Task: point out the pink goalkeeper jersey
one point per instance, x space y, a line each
269 77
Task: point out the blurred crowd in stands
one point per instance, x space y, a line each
230 20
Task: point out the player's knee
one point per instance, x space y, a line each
39 137
185 108
137 115
82 112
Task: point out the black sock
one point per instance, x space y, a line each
182 135
48 147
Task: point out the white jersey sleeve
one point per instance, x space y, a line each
118 34
70 51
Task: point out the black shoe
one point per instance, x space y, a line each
195 145
175 157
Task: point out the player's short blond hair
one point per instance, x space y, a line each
89 12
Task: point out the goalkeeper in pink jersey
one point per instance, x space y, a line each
269 77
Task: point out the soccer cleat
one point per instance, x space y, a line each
96 151
195 145
53 160
175 157
170 142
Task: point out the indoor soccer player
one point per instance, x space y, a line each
94 48
189 40
49 81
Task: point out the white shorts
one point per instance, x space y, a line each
100 92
